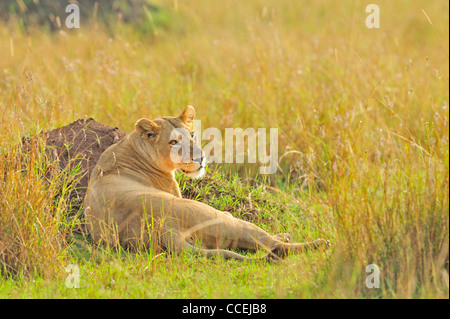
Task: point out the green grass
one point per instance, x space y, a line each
140 276
363 139
147 274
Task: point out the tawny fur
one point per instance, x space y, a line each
133 200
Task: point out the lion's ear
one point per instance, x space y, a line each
188 115
148 127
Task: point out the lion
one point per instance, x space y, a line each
133 199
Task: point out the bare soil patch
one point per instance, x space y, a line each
80 143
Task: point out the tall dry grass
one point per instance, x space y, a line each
366 112
34 209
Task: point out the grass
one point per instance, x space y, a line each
363 130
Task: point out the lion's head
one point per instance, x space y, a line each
172 144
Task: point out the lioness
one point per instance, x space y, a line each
133 199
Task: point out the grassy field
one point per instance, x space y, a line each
363 123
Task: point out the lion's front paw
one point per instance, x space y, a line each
283 237
322 243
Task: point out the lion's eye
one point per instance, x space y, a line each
192 134
173 142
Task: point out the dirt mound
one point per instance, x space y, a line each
81 142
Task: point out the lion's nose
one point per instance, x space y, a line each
199 160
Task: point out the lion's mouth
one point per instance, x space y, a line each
194 171
197 173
